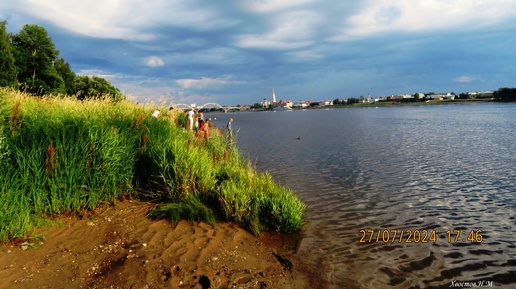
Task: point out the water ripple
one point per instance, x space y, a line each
419 168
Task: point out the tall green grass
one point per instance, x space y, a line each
59 155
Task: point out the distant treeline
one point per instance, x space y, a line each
505 94
30 62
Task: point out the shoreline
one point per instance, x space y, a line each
118 246
375 104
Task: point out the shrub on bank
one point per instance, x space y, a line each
60 155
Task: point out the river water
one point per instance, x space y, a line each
447 173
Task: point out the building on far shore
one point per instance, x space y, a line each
265 103
300 104
276 104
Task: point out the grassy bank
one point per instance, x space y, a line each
59 155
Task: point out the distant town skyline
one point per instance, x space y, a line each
292 102
232 52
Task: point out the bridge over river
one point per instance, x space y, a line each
209 105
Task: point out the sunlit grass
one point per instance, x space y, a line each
60 155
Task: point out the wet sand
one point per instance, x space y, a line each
117 246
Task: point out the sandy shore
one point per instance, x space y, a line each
119 247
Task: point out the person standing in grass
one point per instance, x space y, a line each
170 112
191 114
201 115
205 127
229 129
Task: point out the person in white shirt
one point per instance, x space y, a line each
191 115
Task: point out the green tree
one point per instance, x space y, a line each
93 87
65 71
463 95
353 100
505 94
8 72
35 54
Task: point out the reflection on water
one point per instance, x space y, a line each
433 168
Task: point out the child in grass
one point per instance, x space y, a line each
229 128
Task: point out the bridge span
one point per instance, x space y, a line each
209 105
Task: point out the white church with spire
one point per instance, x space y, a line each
284 105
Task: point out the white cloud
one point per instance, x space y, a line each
154 61
201 83
96 72
304 55
256 41
467 79
121 19
463 79
264 6
377 16
290 31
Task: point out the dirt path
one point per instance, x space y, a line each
119 247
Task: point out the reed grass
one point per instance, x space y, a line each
60 155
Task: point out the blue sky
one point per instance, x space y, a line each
235 52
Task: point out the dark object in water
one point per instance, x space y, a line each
286 263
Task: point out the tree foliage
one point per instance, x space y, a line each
463 95
348 101
505 94
35 53
8 72
30 61
93 87
352 100
65 71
